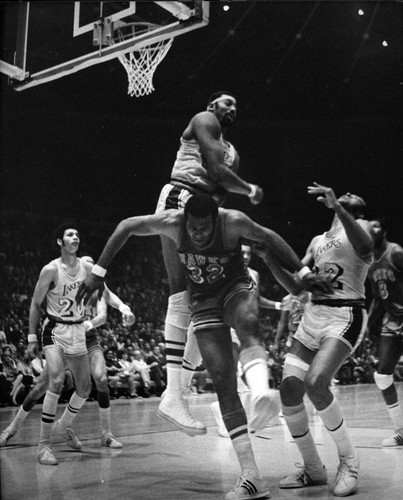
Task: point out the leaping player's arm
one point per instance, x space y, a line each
207 130
46 278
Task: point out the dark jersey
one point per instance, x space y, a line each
388 281
215 266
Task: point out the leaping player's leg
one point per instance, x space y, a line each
173 406
390 350
29 402
98 372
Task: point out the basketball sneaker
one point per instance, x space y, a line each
249 485
109 441
301 479
175 409
68 435
46 457
396 440
347 477
263 408
6 435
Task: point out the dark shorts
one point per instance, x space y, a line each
208 311
392 326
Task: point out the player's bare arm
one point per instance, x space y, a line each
207 130
165 223
359 232
238 223
46 280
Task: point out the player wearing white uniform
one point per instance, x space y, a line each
63 336
206 163
95 317
331 327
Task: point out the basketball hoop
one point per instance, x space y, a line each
140 64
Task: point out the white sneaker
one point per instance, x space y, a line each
6 435
45 456
109 441
176 410
249 485
347 477
396 440
301 479
68 435
263 408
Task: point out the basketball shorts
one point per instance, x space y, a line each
70 337
92 340
207 312
172 197
392 326
320 322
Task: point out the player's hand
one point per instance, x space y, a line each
256 194
286 304
316 282
33 349
88 287
326 195
128 318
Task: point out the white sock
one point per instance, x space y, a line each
19 418
254 364
105 420
71 411
396 415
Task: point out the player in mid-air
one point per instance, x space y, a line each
206 162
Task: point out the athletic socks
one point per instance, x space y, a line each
49 408
71 410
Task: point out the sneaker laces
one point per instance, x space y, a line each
344 470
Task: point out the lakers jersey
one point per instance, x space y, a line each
336 260
213 267
190 165
388 281
61 300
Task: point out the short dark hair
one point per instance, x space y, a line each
61 228
215 95
201 205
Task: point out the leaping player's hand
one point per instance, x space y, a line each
88 287
256 194
316 282
329 198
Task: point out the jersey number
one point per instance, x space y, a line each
383 289
333 271
214 272
66 305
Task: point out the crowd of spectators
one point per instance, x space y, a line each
134 355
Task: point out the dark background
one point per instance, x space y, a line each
318 100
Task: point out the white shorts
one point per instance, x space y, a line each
172 197
69 337
320 322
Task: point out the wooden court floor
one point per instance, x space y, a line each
158 462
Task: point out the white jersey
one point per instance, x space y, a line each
189 166
336 260
61 300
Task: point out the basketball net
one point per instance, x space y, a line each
141 64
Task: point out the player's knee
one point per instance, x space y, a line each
316 384
383 381
291 390
101 381
248 322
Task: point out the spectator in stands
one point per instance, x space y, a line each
157 366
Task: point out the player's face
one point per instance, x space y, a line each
225 111
200 230
377 231
71 240
246 254
352 202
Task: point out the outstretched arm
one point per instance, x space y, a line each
359 232
114 301
166 223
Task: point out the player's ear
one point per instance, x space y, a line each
210 107
59 242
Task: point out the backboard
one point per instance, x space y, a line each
43 41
